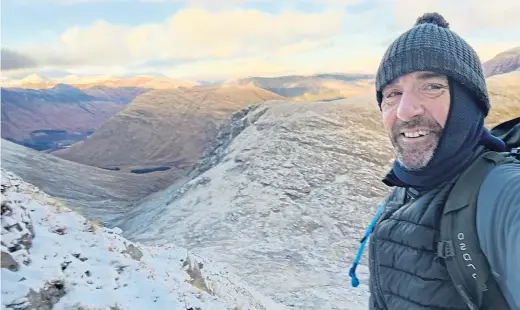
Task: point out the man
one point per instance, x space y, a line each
433 99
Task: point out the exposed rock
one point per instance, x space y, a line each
47 297
44 299
17 233
192 267
227 132
134 252
8 262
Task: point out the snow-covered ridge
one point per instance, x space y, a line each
53 258
282 198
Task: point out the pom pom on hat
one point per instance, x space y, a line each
433 18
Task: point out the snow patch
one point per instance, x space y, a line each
53 258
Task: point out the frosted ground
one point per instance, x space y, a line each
282 198
54 257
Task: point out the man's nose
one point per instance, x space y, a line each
409 106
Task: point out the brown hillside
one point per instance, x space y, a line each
164 128
504 62
504 93
61 108
316 87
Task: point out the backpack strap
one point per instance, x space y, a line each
459 246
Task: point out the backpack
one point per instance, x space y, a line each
459 246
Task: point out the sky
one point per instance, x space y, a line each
223 39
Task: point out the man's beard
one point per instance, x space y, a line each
416 155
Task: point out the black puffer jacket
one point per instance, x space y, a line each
405 271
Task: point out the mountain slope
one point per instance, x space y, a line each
504 62
137 81
283 197
313 87
167 128
284 203
53 258
100 194
42 118
504 93
122 95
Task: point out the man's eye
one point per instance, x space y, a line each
434 87
393 94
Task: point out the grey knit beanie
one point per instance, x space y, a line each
431 46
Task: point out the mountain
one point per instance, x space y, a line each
47 119
283 196
122 95
313 87
100 194
163 129
504 62
136 81
35 81
54 258
32 81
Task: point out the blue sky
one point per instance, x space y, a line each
229 38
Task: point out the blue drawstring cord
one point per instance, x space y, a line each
352 272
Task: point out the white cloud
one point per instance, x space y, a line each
190 34
231 41
217 3
465 16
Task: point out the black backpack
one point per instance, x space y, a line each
459 245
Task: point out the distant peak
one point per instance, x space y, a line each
34 78
62 86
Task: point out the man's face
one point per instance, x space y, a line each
415 108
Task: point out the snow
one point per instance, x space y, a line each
282 201
53 256
274 210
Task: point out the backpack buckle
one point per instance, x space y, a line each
445 249
515 152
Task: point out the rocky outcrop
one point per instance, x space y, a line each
17 231
227 132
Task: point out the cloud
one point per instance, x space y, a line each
12 60
356 61
190 34
216 3
301 47
465 16
207 39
